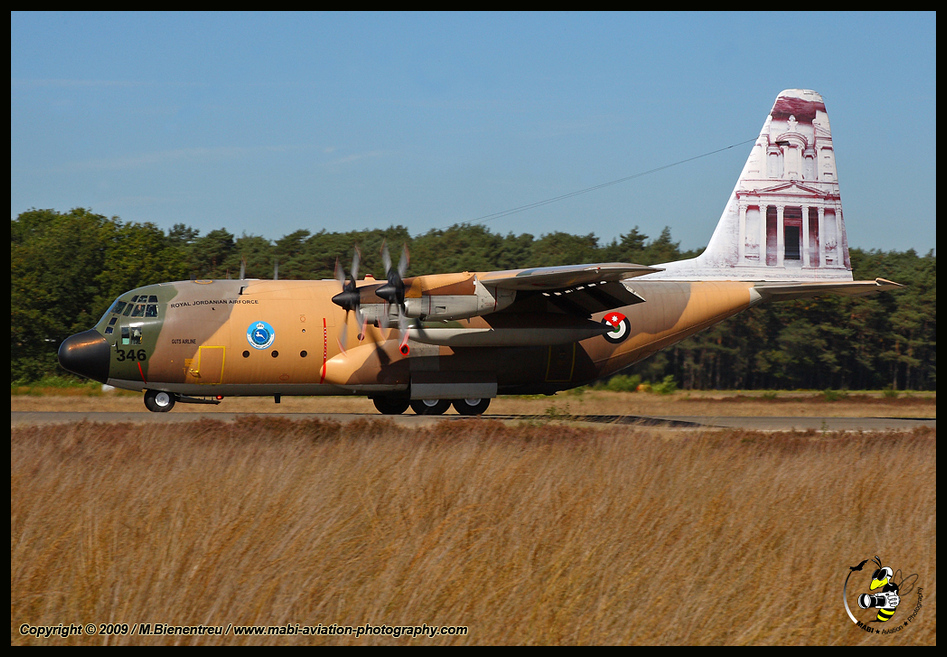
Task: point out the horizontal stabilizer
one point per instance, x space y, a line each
784 291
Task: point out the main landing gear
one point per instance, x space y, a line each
398 405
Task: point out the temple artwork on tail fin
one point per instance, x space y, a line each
783 220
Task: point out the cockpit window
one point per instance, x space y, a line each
140 305
116 308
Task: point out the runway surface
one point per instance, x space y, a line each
20 418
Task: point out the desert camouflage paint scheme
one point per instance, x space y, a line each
464 338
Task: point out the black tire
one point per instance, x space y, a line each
159 401
390 405
471 406
430 406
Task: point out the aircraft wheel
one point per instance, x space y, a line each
430 406
159 401
390 405
471 406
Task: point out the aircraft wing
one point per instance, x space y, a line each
580 290
567 276
784 291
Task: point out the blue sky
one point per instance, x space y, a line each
266 124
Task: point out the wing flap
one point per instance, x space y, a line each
586 300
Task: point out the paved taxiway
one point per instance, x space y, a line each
21 418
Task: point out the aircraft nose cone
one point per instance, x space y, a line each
86 354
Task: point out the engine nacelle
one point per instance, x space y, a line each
433 297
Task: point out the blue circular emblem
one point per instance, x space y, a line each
260 335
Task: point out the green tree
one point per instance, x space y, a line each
290 252
55 259
136 255
211 256
564 249
256 254
462 247
514 251
629 248
662 249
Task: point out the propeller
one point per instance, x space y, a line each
393 291
349 299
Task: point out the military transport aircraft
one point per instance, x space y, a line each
461 339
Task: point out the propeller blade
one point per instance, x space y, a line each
385 258
349 298
393 290
343 334
356 259
403 263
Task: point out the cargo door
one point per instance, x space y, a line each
208 366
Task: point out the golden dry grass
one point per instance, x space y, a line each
526 534
583 402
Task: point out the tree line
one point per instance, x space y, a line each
67 267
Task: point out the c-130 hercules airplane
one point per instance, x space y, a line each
461 339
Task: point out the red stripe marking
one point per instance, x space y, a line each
325 349
140 371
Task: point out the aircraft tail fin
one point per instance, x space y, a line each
783 220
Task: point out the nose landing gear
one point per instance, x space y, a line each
159 401
162 401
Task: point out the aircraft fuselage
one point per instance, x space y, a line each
260 337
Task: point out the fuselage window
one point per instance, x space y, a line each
131 335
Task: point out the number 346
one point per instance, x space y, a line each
131 354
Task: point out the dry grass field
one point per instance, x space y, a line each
580 402
524 533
